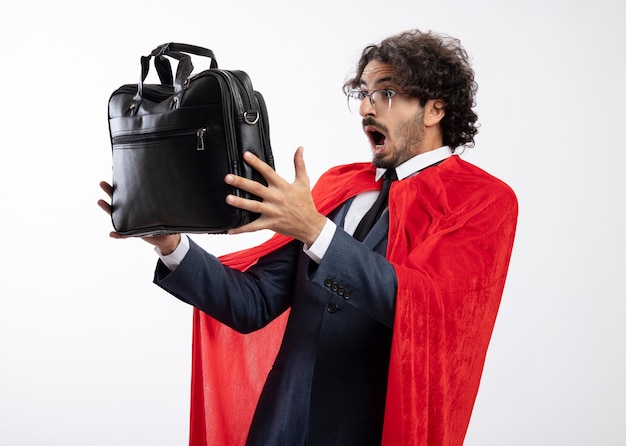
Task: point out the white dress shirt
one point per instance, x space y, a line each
362 202
360 205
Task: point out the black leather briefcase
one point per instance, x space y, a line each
174 142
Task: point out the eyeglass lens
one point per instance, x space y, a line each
379 99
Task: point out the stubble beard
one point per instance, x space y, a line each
410 135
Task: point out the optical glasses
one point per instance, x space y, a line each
380 99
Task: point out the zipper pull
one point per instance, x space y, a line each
200 134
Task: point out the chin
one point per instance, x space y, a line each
382 162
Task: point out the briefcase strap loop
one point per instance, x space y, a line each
251 120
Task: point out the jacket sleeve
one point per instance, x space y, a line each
245 301
363 277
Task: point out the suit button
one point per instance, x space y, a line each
347 294
332 308
334 286
328 282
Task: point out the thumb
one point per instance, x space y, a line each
298 162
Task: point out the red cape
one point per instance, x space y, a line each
450 239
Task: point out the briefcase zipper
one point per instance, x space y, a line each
249 100
243 102
239 105
200 138
151 92
162 135
231 137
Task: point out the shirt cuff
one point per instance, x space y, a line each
173 260
319 247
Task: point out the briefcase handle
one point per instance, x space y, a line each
169 47
164 69
162 63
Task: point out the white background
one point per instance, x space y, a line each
92 353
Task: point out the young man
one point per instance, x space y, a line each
373 337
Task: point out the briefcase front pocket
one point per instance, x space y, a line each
171 184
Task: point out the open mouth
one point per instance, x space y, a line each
376 137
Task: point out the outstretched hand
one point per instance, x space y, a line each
166 243
287 208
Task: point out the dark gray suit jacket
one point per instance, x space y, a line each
328 383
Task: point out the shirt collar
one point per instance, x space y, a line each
418 162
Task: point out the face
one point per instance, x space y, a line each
395 135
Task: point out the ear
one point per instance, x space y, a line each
434 111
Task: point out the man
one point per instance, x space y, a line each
374 338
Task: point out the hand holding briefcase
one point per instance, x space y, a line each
174 142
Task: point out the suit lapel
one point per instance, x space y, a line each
377 238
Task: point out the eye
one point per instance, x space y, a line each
357 94
388 93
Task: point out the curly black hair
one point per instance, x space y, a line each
430 66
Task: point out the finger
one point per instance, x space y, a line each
245 204
106 187
117 235
245 184
298 162
261 166
250 227
105 206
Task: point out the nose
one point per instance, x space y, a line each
366 108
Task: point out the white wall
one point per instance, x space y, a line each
92 353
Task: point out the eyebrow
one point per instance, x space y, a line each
377 81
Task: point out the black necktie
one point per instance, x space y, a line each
377 208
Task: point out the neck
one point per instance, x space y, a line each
433 139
